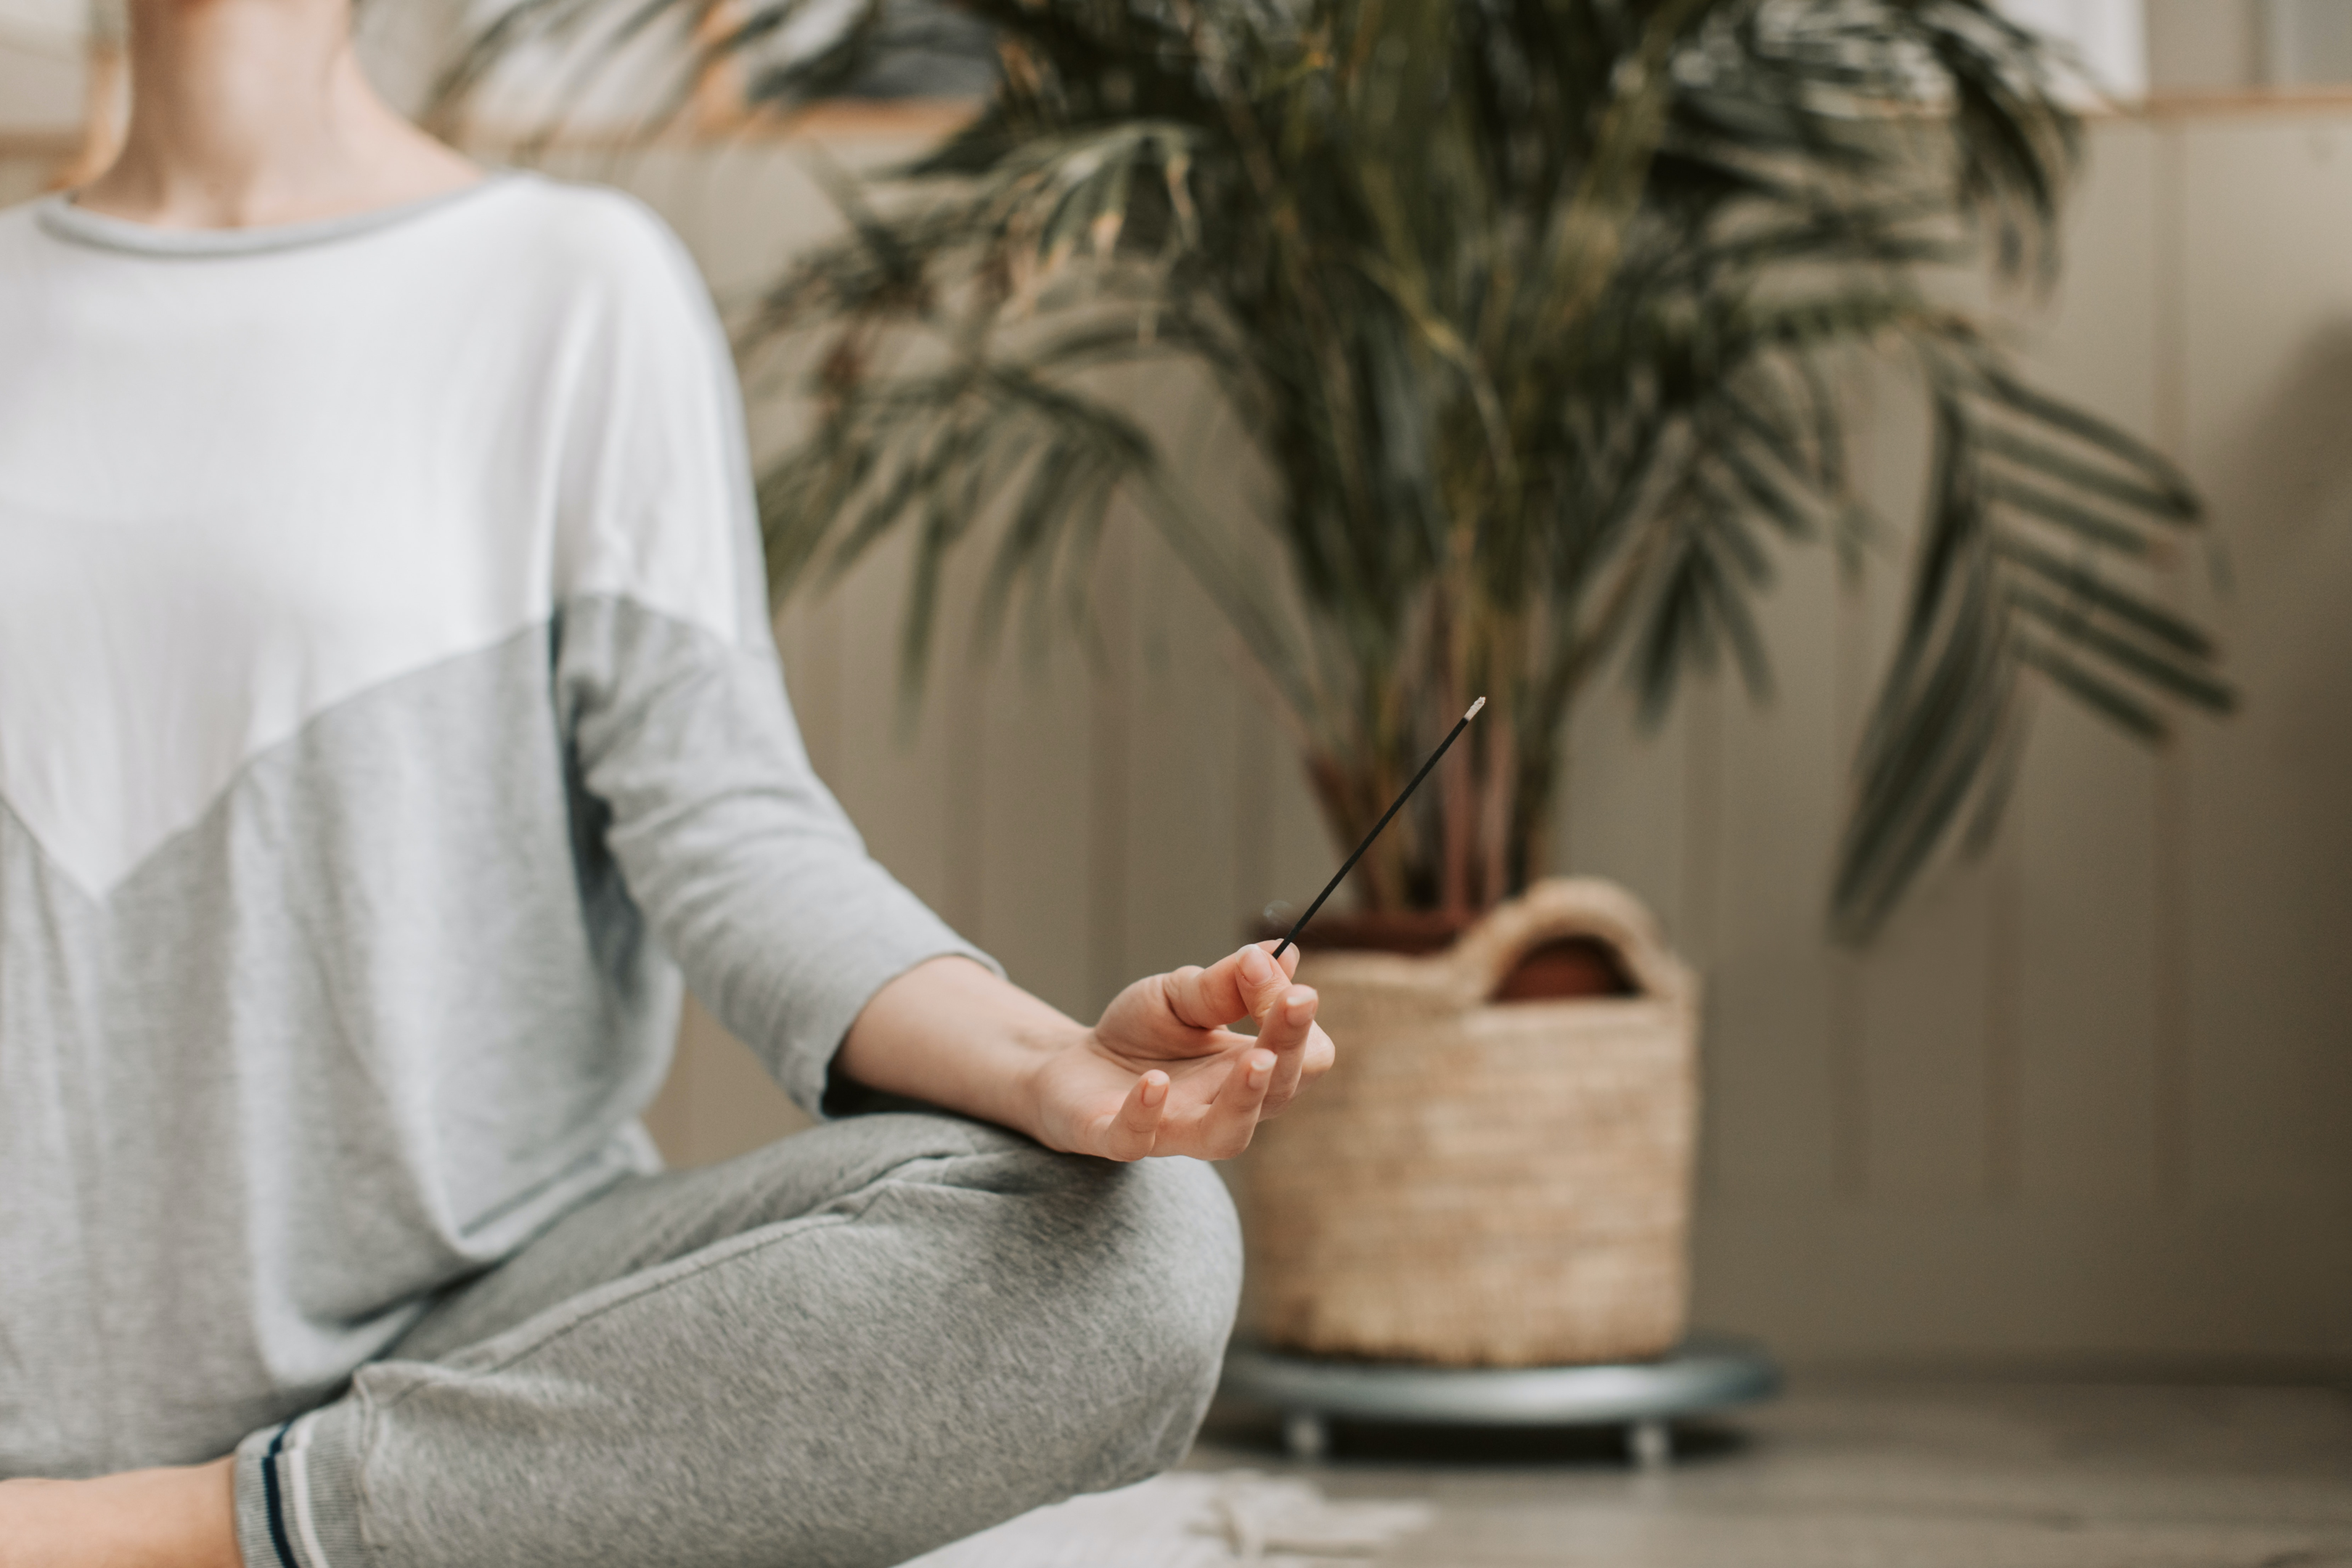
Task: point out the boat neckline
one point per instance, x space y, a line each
65 218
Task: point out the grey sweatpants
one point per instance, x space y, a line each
848 1348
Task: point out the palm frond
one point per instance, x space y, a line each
1538 315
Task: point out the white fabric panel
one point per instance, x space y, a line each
191 579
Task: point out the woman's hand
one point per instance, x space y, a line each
1160 1074
1163 1074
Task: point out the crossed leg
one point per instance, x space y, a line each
845 1349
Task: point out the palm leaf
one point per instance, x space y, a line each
1538 313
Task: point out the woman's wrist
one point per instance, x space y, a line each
1031 1076
952 1032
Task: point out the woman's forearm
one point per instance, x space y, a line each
950 1033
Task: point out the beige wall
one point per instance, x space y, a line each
2205 46
2089 1101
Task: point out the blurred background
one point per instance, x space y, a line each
2085 1104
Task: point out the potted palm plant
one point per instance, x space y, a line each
1541 312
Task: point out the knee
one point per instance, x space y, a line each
1160 1260
1098 1296
1175 1257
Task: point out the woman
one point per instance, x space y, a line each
387 715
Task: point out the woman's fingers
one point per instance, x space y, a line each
1133 1132
1240 986
1288 1027
1314 1060
1264 1075
1232 1116
1187 991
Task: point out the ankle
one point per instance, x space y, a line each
199 1502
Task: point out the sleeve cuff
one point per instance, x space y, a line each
810 1044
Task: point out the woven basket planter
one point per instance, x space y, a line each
1483 1183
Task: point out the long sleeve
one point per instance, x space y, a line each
390 716
691 773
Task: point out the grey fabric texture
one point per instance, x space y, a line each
390 1009
845 1349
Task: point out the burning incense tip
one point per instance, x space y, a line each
1474 710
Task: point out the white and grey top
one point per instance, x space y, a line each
388 710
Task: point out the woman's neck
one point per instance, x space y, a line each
251 112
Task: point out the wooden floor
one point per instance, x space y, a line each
1878 1475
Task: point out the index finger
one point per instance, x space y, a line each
1241 984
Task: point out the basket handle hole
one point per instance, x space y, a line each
1564 967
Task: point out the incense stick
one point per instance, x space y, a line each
1341 876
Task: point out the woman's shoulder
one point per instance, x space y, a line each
589 235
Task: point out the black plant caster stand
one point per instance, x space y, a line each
1708 1373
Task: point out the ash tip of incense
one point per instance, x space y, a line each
1473 709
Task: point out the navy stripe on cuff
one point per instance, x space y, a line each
271 1495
